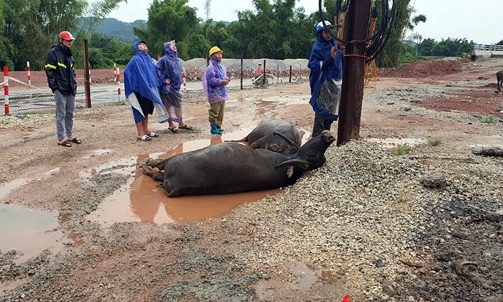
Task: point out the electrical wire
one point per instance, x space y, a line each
379 38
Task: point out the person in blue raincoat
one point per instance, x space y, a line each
170 72
141 85
325 78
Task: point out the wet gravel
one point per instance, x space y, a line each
368 216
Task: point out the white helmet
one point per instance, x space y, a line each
320 26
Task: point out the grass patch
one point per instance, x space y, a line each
488 120
402 149
434 143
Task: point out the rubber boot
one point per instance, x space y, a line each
220 128
214 129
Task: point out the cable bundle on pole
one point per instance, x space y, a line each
377 40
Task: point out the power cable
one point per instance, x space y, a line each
377 41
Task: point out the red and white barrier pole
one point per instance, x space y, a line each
6 89
115 72
29 73
118 77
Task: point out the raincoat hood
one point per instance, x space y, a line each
170 53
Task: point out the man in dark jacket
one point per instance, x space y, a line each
62 81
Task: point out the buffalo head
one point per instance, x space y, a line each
311 155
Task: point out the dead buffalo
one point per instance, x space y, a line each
232 168
265 136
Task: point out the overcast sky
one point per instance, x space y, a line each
480 21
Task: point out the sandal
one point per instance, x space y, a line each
153 134
65 143
174 130
75 140
144 138
186 127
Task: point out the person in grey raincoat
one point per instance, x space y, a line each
170 72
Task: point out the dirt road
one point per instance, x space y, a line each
74 254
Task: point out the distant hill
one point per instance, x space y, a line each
114 28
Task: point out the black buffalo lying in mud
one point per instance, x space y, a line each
265 136
232 167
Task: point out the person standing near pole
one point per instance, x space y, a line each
62 81
215 82
170 72
325 78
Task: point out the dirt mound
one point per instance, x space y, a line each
425 68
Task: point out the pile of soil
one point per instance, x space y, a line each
425 68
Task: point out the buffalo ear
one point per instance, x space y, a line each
289 171
301 164
275 148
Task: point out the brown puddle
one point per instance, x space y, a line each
29 231
143 200
305 279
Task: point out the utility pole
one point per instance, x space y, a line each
87 85
357 24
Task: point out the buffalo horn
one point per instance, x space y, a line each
301 164
289 141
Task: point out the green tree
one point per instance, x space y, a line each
6 48
217 34
452 48
302 34
440 49
426 46
465 48
169 20
198 46
255 31
270 33
394 47
97 11
104 51
30 27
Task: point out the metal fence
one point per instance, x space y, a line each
24 92
28 92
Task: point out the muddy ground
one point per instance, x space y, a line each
195 261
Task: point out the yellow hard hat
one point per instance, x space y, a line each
214 49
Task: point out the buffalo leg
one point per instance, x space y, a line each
156 175
157 163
